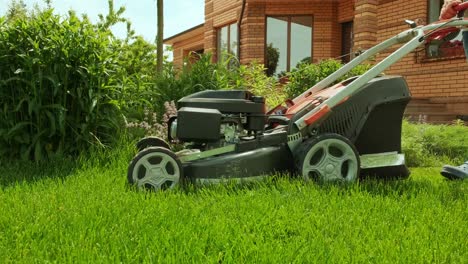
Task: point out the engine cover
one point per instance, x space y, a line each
198 124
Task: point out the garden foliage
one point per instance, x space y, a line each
307 75
67 84
65 81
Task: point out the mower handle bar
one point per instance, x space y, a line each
411 40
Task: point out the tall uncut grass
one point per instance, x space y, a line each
427 145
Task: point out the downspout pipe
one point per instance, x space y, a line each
239 24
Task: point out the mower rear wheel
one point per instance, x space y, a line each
155 168
151 142
328 158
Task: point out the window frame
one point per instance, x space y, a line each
288 48
347 55
219 55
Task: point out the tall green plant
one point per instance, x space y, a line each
16 10
65 82
273 55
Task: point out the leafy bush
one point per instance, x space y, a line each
252 77
306 75
65 82
206 75
272 59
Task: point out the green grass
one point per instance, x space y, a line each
81 211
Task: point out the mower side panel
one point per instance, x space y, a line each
372 120
257 162
382 130
376 111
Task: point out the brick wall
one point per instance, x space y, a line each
186 42
253 34
219 13
365 23
183 48
326 30
345 12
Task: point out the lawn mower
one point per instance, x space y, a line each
332 132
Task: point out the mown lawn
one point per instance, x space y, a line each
86 213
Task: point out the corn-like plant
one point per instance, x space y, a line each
65 81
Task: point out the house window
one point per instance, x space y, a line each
227 42
438 50
434 10
288 42
346 41
193 55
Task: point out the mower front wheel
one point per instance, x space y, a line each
155 168
328 158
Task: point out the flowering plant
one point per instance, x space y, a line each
151 125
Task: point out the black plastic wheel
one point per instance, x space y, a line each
151 142
328 158
155 168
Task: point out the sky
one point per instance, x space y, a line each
179 15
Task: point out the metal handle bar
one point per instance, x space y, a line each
411 38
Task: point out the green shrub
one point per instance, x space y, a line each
306 75
253 78
65 82
152 94
272 59
206 75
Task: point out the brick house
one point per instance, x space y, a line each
314 30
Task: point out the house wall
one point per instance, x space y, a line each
219 13
326 28
374 21
345 11
182 48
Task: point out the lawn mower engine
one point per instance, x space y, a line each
227 130
211 119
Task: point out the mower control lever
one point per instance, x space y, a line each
411 23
